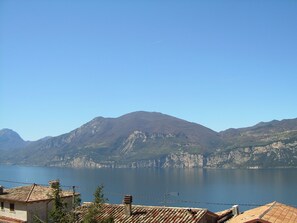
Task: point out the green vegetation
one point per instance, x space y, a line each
145 137
60 212
95 208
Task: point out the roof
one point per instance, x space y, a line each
9 220
151 214
270 213
31 193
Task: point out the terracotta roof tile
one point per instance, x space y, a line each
151 214
273 212
30 193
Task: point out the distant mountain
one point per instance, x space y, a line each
10 140
265 145
129 138
151 139
262 133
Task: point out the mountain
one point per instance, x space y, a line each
262 133
151 139
10 140
265 145
138 136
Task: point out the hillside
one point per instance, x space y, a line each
265 145
150 139
262 133
10 140
130 138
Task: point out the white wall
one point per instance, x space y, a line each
27 211
41 209
19 212
38 209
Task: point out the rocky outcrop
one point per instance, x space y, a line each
128 144
175 160
149 139
277 154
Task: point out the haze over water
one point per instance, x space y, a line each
212 189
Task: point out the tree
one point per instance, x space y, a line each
99 196
59 212
95 208
36 219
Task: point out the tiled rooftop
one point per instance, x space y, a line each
273 213
30 193
152 214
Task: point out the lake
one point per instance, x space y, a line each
214 189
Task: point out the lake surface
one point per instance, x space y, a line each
212 189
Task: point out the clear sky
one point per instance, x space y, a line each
218 63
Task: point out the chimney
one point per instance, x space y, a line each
54 184
235 210
128 205
1 190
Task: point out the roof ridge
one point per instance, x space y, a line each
266 211
152 206
32 188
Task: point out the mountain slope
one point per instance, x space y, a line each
262 133
265 145
129 138
10 140
150 139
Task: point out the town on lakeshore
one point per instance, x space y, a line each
148 111
49 203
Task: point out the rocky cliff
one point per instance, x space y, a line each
175 160
144 139
276 154
273 155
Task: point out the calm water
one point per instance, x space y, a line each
196 187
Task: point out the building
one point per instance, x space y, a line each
270 213
127 213
21 204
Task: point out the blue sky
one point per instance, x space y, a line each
221 63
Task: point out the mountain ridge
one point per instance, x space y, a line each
153 139
10 139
